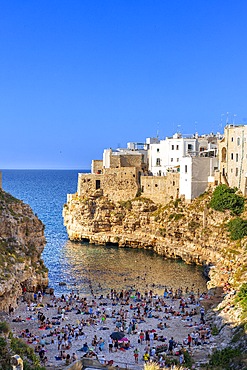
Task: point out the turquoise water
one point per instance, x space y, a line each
79 264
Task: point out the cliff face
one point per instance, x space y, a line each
21 244
193 232
189 231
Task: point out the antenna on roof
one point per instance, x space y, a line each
227 115
196 126
235 115
221 119
158 131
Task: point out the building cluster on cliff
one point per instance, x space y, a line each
178 166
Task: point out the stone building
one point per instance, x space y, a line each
161 189
233 157
117 175
178 166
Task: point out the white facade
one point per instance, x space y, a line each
106 158
195 174
166 155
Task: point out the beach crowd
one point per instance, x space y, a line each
125 327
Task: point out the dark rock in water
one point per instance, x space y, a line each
62 283
49 291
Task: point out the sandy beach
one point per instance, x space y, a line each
58 328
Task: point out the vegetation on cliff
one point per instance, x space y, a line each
224 198
211 231
10 346
21 244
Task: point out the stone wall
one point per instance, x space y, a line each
160 189
97 166
134 160
125 160
117 184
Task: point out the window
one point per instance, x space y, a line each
190 146
157 161
172 147
177 147
232 139
186 168
236 172
231 155
177 159
97 185
238 141
236 157
171 159
158 150
223 154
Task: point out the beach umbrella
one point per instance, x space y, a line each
123 340
117 335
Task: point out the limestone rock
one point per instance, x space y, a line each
21 244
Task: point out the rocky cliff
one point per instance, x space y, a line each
194 232
21 244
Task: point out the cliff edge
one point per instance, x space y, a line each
193 232
22 241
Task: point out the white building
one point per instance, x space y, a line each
166 154
195 175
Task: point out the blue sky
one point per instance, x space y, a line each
80 76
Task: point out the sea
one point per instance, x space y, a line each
78 267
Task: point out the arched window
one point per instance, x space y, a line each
157 161
223 154
238 141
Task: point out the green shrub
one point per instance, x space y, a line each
175 216
187 359
241 298
239 333
23 350
224 358
215 330
237 228
126 204
4 328
226 198
176 202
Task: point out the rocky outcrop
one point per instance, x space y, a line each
188 231
21 244
193 232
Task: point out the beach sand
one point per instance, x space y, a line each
177 326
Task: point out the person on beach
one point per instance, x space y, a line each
76 328
136 355
171 345
110 344
116 345
189 340
146 357
141 336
